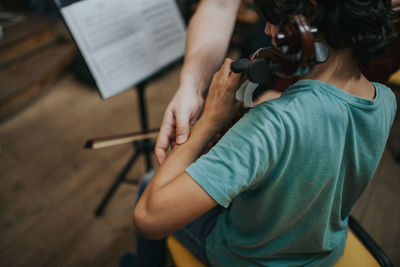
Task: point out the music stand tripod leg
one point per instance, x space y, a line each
120 179
147 146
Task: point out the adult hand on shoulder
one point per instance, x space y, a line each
221 105
182 112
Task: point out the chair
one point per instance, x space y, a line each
360 250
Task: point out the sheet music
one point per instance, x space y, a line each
125 41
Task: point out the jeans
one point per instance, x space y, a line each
151 253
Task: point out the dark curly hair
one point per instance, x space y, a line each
362 25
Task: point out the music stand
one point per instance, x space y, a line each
168 45
145 147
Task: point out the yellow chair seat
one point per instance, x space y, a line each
395 78
355 254
181 255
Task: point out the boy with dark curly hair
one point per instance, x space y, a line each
278 188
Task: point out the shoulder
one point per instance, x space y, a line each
290 98
387 96
298 99
385 91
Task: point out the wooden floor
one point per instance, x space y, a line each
50 186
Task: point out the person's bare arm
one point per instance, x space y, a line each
207 41
172 198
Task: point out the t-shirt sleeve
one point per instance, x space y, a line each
390 104
243 156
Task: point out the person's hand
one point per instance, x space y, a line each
182 112
221 104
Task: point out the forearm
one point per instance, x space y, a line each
208 37
162 207
182 156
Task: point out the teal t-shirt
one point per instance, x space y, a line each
290 172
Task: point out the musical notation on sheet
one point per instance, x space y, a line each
125 41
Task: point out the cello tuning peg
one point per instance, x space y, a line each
313 30
321 52
240 65
280 38
282 42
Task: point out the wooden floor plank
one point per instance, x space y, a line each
59 224
46 176
102 240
